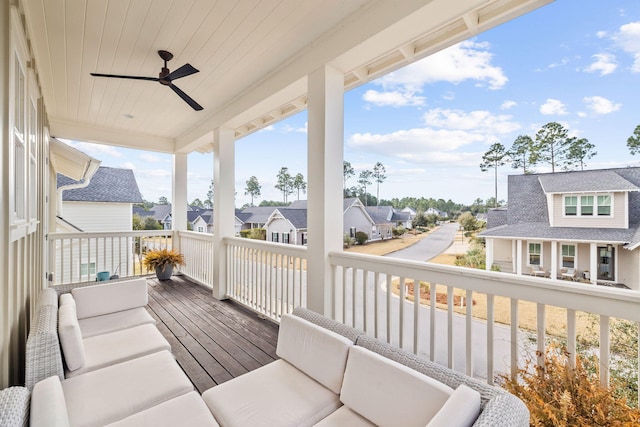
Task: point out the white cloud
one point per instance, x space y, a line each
150 158
604 63
449 96
628 38
288 128
508 104
442 141
95 150
553 106
475 121
128 165
601 34
600 105
468 60
563 62
393 98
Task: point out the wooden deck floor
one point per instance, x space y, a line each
213 341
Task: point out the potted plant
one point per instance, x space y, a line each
163 261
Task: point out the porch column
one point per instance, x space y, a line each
593 262
179 193
554 259
518 256
489 252
325 154
223 204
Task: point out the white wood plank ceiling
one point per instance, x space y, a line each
253 57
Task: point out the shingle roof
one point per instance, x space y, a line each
107 185
297 217
585 181
259 214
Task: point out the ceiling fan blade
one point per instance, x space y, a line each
184 71
117 76
186 98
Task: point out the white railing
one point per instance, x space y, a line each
197 249
269 278
79 257
362 298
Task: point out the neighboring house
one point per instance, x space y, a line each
438 213
391 215
257 216
286 225
412 212
587 220
104 203
356 218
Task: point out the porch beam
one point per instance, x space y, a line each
593 262
554 259
223 204
325 156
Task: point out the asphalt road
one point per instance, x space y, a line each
432 245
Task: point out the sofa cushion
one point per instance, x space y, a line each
97 300
344 417
97 325
48 405
110 394
277 394
188 410
460 410
316 351
116 347
388 393
70 337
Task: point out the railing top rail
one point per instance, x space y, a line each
614 302
196 235
130 233
279 248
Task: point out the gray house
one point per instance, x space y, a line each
577 225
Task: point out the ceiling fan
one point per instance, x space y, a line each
165 78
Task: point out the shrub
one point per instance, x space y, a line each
558 395
245 233
348 241
398 231
474 258
258 234
361 237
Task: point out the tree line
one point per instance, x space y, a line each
551 145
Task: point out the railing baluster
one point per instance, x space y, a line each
571 337
469 332
490 330
376 304
389 292
416 314
432 321
354 288
365 301
605 343
450 327
540 308
514 338
403 295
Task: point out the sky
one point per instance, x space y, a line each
429 123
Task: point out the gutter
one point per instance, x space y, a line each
89 170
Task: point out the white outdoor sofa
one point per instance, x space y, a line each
328 374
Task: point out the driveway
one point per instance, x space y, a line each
432 245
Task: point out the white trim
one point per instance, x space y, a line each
579 197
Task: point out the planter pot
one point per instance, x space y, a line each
166 274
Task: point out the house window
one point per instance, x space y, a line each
285 237
352 232
586 205
604 205
274 237
304 238
569 256
87 269
200 229
535 253
571 205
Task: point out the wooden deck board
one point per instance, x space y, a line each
213 341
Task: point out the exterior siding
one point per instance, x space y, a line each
617 220
22 279
355 217
280 226
99 216
628 268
